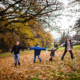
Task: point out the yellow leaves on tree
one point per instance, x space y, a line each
29 34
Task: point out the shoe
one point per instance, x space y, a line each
40 61
19 63
50 59
72 58
61 58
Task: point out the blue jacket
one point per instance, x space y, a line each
37 50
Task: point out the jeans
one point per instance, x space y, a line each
16 57
65 53
38 58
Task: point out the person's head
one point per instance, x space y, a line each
37 45
17 43
68 38
52 48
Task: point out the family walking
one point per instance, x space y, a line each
68 47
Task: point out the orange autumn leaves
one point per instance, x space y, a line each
54 70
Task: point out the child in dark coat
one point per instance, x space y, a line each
52 54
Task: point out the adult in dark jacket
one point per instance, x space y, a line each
52 54
37 51
68 46
16 50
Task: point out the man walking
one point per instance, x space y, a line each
16 50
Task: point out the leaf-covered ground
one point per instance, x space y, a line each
57 69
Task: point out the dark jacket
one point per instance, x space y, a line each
16 49
37 50
66 44
52 54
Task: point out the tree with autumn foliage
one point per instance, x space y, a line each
21 20
29 34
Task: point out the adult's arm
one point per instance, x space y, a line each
78 41
62 44
31 47
75 41
21 47
12 49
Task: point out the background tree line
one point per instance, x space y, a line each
22 20
29 34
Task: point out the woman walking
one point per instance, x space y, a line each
68 47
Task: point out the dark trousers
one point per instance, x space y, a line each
50 59
65 53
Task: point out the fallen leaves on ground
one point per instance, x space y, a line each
56 69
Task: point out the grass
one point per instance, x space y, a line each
74 76
35 78
62 48
9 53
23 52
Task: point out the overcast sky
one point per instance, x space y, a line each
66 22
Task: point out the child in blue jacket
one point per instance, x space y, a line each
37 52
